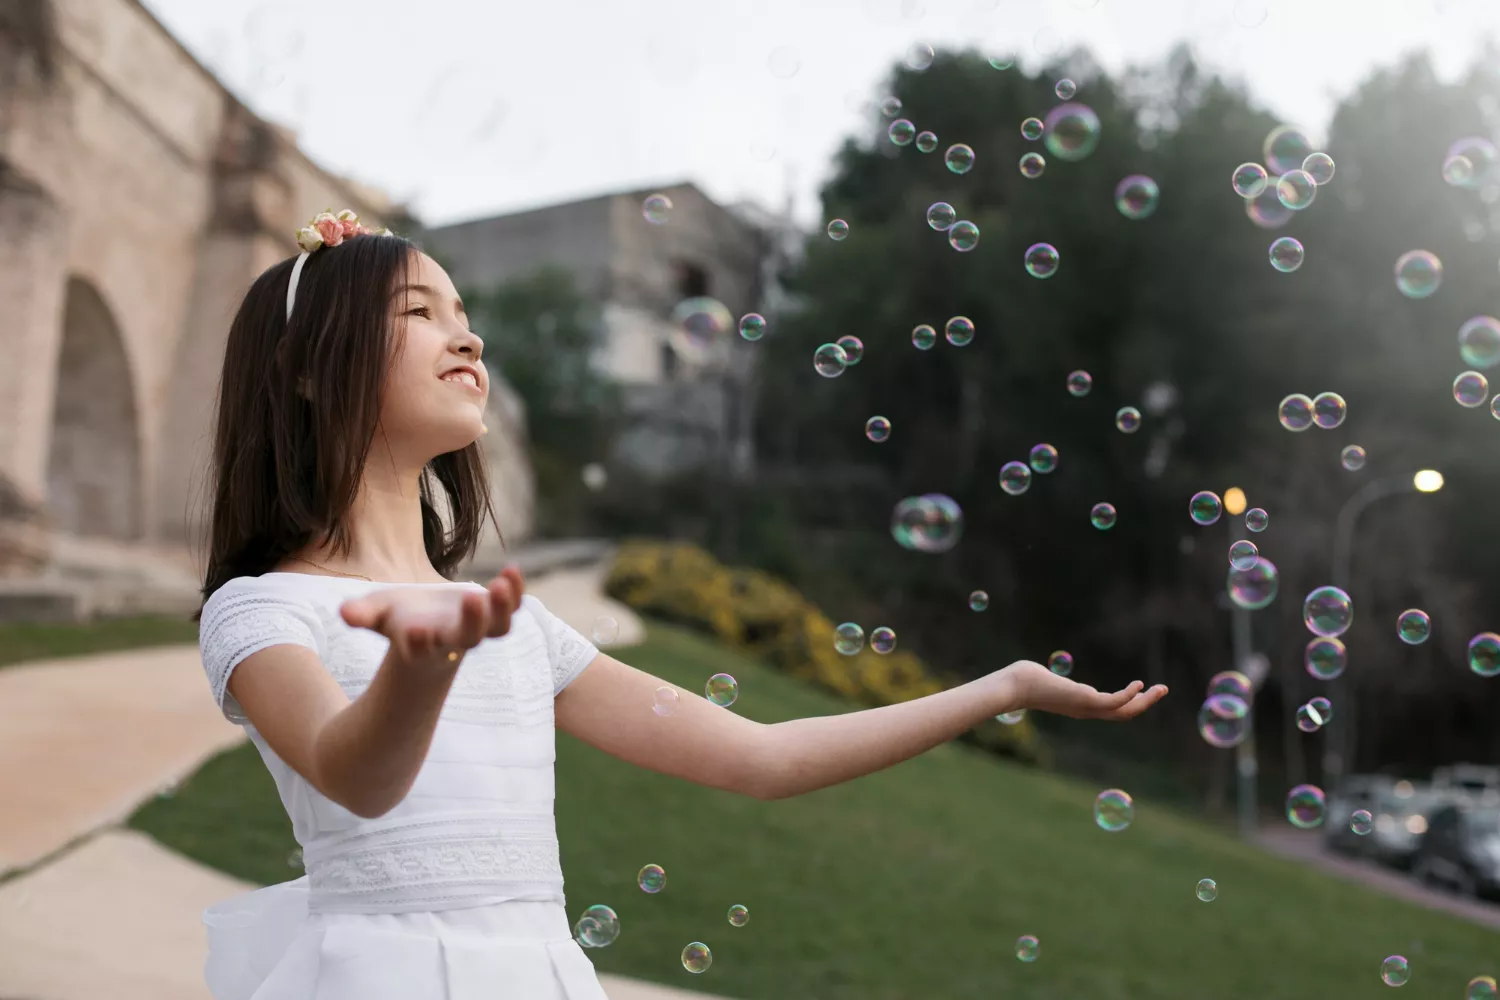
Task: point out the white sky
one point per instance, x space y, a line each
589 96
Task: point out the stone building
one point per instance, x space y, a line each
684 409
138 200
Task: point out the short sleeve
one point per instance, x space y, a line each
568 651
243 617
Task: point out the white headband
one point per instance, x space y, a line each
325 230
291 286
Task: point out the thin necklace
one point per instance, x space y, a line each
326 569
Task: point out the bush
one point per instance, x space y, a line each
767 618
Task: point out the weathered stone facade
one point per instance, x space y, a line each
138 200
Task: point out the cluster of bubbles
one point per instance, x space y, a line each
832 360
1224 717
1287 184
1314 714
1297 412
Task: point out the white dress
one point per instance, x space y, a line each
455 894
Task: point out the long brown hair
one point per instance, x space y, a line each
298 410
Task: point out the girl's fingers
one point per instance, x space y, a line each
504 598
473 621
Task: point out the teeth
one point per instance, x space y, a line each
461 377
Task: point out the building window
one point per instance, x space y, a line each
692 280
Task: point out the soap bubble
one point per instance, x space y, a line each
1286 254
1257 520
877 429
1032 165
883 639
1249 180
901 132
1470 389
890 107
1295 412
1325 657
1128 419
941 216
1495 407
1072 131
1205 507
1304 806
848 638
1224 720
1309 719
1028 947
926 142
1266 209
1113 810
1484 654
1060 662
1015 478
651 879
959 158
830 361
739 915
598 927
1329 410
656 209
1003 62
959 330
606 630
853 347
838 229
1327 611
1361 822
1136 196
1296 189
979 600
1482 157
1413 626
1065 89
963 236
1043 458
1479 342
1042 260
696 958
1079 383
1102 516
1208 890
722 690
699 325
752 326
1243 554
1231 682
1284 150
1323 706
918 56
1481 988
1319 166
1352 458
1395 971
932 522
294 858
1418 274
923 337
1256 587
1031 129
664 700
1458 171
1011 718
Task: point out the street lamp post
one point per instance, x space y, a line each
1246 763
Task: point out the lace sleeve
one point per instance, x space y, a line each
242 618
567 650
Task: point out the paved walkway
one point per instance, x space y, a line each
108 912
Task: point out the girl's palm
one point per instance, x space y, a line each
425 623
1044 691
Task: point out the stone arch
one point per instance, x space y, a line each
94 480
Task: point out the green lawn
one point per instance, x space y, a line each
22 642
914 883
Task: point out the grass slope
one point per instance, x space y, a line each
25 641
913 883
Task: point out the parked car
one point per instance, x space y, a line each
1461 850
1469 784
1398 811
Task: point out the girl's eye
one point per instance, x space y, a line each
423 310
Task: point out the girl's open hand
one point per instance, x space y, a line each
430 623
1032 686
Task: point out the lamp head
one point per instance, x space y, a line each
1427 481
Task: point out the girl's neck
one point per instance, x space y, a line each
385 538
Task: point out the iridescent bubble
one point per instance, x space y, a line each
1224 720
1296 189
598 927
1418 273
1361 823
1414 626
1484 654
1286 254
1319 167
1060 662
1327 611
294 857
1043 458
1243 554
1266 209
1102 516
1479 342
918 56
1208 890
1002 62
1231 682
923 337
696 958
1352 458
656 209
1458 171
1249 180
901 132
1495 407
979 601
830 361
1031 129
890 107
927 142
1011 718
1257 520
1028 947
1325 657
1305 805
1256 587
1113 810
1204 507
877 429
699 325
848 638
664 701
838 229
1309 719
1136 196
1072 131
1032 165
651 879
722 690
1470 389
752 326
1323 707
1481 988
883 639
854 349
1284 150
1295 412
932 522
1079 383
1395 971
941 216
959 158
959 330
606 630
1128 419
1482 157
1329 410
1042 260
739 915
964 236
1065 89
1015 478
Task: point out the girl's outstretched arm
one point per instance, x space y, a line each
609 705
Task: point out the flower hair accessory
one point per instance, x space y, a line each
325 230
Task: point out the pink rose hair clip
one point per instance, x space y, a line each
325 230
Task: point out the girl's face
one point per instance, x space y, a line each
436 389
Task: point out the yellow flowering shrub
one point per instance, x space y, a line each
770 620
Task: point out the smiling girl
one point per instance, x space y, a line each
408 719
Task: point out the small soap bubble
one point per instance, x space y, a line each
1418 274
979 600
664 701
1284 150
890 107
959 158
964 236
1481 988
1224 719
1113 810
1295 412
1286 254
830 361
1329 410
1065 89
1309 719
1243 554
1414 626
1257 520
1071 131
1136 196
848 638
752 326
1028 947
1296 189
941 216
1484 654
1352 458
1361 823
1102 516
1031 129
932 522
1060 662
1470 389
1482 157
1042 260
1319 166
883 639
696 958
1254 588
294 859
1266 210
1325 657
1479 342
1249 180
1323 707
838 229
598 927
1043 458
656 209
919 56
722 690
1495 406
927 142
853 347
901 132
877 429
1205 507
1305 805
1002 62
1079 383
1032 165
739 915
1395 971
606 630
959 330
1458 170
1230 682
923 337
1128 419
1011 718
1208 890
1327 611
1015 478
651 879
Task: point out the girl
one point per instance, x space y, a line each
409 720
